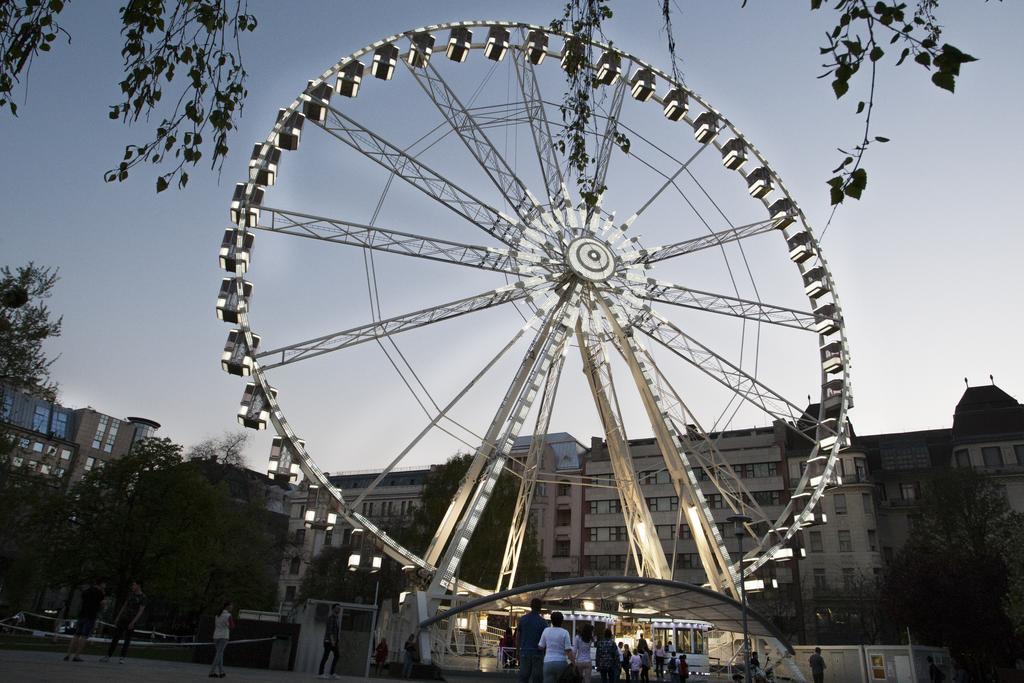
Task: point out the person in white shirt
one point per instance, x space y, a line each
556 645
581 650
221 635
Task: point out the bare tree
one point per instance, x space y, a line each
226 449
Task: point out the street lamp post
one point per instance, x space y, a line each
738 521
376 562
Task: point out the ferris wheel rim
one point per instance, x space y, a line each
775 539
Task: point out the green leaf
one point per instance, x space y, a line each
944 80
161 184
923 59
840 87
836 195
815 4
860 107
876 53
879 138
903 56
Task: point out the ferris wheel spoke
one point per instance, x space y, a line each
661 330
677 295
339 231
668 251
423 178
608 143
480 146
551 169
526 289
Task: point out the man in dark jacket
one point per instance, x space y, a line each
332 636
93 598
531 659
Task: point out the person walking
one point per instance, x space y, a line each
127 618
627 658
607 658
935 674
659 661
672 665
408 656
684 669
645 660
93 599
222 624
557 647
581 652
531 659
635 664
817 663
332 637
380 655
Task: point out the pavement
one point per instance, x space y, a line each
23 666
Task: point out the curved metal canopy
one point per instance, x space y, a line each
646 598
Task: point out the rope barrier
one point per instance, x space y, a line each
92 639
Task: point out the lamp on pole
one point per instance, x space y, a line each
376 561
738 522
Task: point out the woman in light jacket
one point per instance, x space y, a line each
221 635
581 649
557 647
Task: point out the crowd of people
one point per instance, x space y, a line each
546 653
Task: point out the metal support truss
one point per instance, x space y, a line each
339 231
722 574
645 545
550 169
423 178
714 239
528 483
669 293
364 333
477 142
489 461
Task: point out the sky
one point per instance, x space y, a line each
927 264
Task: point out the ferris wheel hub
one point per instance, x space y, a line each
590 259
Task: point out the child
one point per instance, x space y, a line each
634 667
673 669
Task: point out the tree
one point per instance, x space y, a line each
161 40
950 583
482 560
25 325
152 517
328 578
228 449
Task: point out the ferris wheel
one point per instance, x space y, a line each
571 277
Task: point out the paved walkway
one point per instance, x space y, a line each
23 666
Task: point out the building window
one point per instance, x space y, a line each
869 505
24 443
97 439
862 469
839 503
606 533
300 536
666 532
41 419
65 454
329 537
605 507
845 542
563 517
44 468
689 561
962 457
60 424
606 562
684 531
562 547
663 503
992 456
815 542
768 497
1018 450
849 579
89 462
111 435
872 540
346 537
909 491
887 554
880 489
563 489
655 477
820 580
715 501
37 446
293 568
289 593
542 490
17 461
5 412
